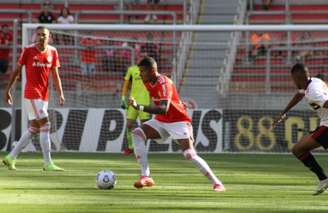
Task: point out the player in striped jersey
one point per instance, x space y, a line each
315 92
39 59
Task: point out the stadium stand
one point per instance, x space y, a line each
271 75
208 52
93 12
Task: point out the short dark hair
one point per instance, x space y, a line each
62 11
320 76
147 62
299 68
42 28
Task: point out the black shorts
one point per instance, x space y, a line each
3 65
320 135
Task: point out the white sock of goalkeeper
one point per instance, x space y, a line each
139 141
23 141
45 143
190 154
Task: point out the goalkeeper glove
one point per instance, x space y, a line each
124 102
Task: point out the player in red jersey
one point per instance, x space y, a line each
171 119
39 60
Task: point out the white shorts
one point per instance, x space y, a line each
36 108
88 69
177 130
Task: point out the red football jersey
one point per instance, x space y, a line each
37 68
88 55
164 89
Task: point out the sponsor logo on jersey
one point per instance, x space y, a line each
39 64
49 58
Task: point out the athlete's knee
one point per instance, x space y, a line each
298 150
34 130
45 127
43 121
189 154
138 132
295 150
130 125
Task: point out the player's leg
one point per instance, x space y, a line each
190 154
41 109
46 145
10 159
131 115
130 124
182 132
140 136
144 117
302 150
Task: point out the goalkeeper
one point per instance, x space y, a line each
140 94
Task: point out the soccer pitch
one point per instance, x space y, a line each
255 183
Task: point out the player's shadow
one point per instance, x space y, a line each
50 188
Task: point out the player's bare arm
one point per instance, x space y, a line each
282 116
58 85
15 76
161 109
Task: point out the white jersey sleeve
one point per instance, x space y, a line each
317 93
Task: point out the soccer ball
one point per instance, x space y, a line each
105 179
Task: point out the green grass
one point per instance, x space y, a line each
255 183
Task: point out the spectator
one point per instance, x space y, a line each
137 48
5 42
88 55
130 5
149 48
47 3
46 16
153 6
118 60
260 42
266 4
304 40
65 17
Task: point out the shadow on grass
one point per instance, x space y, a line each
52 188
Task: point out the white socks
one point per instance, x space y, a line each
45 143
140 151
190 154
23 141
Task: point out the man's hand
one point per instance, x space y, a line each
279 119
8 98
133 103
124 102
61 100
